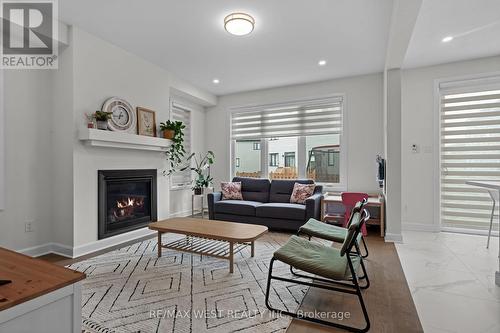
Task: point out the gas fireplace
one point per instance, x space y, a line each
127 200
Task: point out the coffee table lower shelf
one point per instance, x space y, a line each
208 247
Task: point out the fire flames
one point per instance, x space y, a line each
130 202
125 207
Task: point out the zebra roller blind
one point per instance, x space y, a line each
181 113
293 119
470 150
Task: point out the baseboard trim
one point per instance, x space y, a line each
186 213
103 244
393 238
420 227
43 249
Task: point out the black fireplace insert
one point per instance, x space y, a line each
127 200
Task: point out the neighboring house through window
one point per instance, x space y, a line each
308 134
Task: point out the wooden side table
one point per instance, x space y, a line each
373 201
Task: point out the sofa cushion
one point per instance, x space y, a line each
236 207
254 189
282 211
281 190
231 190
301 192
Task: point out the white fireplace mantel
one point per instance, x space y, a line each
100 138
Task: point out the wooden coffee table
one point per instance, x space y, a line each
213 238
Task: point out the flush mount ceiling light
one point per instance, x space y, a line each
322 62
216 81
447 39
239 24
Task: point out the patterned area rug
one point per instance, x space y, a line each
131 290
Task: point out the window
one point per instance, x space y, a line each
324 158
247 159
290 159
470 150
273 159
178 112
300 139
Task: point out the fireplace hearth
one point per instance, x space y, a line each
127 200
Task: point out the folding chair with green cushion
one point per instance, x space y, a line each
334 269
315 228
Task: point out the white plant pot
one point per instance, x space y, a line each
102 125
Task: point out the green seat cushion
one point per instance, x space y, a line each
326 231
315 258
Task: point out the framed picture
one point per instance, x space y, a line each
146 122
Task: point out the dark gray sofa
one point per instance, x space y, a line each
266 203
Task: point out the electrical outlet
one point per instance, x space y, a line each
28 226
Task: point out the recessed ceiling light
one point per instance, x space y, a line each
447 39
216 81
322 62
239 24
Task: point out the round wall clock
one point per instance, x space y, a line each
122 115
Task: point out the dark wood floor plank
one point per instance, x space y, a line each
388 300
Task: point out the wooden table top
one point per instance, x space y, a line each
30 278
219 230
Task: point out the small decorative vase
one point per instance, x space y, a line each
102 124
168 134
198 191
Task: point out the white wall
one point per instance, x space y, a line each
102 70
62 149
2 145
51 176
27 106
419 198
364 123
393 155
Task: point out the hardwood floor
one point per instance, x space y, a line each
388 300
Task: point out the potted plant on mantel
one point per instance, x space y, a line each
175 152
171 128
102 118
202 168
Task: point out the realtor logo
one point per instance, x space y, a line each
29 37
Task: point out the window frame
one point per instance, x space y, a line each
302 154
286 156
276 159
257 146
185 107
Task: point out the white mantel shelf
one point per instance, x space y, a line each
100 138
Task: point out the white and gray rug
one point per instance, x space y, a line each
131 290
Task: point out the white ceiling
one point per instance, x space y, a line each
187 38
475 24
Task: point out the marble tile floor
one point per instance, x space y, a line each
452 281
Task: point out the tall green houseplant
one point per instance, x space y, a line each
201 167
